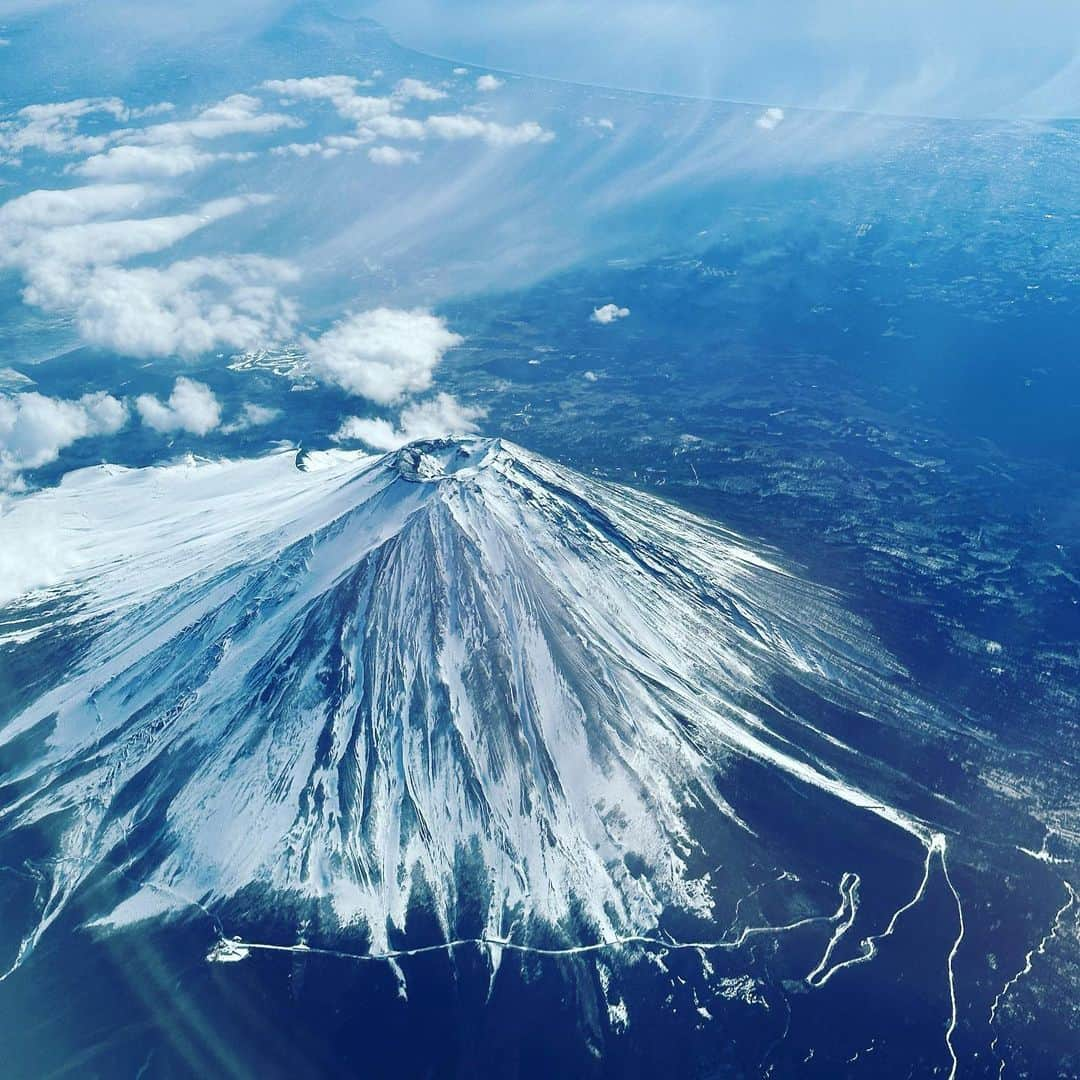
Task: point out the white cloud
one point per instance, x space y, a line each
330 147
192 407
417 90
360 108
609 313
462 126
69 259
34 429
301 150
186 308
53 128
395 127
382 354
391 155
339 90
486 83
122 162
239 114
320 88
770 119
152 110
461 71
45 209
49 233
51 260
251 415
438 416
377 433
345 142
380 116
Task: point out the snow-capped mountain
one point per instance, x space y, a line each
331 678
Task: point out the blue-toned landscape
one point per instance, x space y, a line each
508 576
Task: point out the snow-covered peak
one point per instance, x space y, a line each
432 460
456 666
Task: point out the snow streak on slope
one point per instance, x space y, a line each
334 676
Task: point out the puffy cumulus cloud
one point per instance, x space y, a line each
340 143
486 83
332 88
609 313
188 307
770 119
383 354
417 90
152 110
239 114
463 126
330 147
44 231
24 216
192 407
339 90
34 429
381 117
52 259
68 246
391 155
437 417
151 162
394 127
300 150
251 415
53 128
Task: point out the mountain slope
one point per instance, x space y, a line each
331 678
